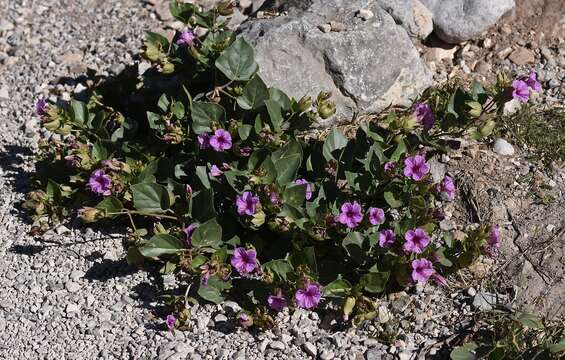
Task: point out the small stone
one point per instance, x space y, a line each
374 354
384 315
522 56
6 25
79 88
487 43
72 287
244 4
365 14
503 54
325 28
277 345
310 349
511 107
327 355
220 318
503 147
550 227
76 274
72 308
4 94
483 67
337 26
471 291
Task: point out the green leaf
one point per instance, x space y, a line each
202 173
53 190
99 152
213 290
147 175
244 130
295 194
150 197
375 282
557 347
287 160
204 114
157 40
134 257
237 61
528 320
335 141
391 200
274 110
254 94
465 352
279 267
337 288
160 245
399 151
280 97
79 112
154 120
182 11
353 244
202 205
305 256
208 234
163 103
178 109
111 204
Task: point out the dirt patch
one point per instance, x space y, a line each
545 17
529 206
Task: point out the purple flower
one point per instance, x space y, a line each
424 114
389 166
308 297
186 38
41 107
386 238
521 91
100 183
246 203
422 269
416 240
308 187
244 261
215 171
188 190
376 216
245 151
189 230
494 241
532 81
277 301
204 141
351 214
171 321
446 188
416 167
221 140
245 320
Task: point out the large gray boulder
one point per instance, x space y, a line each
367 66
460 20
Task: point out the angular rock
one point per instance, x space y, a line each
522 56
412 15
503 147
366 67
459 20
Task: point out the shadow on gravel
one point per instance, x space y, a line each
12 160
29 250
109 269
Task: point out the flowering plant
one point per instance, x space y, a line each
208 165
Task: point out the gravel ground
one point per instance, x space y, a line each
70 295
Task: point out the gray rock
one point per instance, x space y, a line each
310 349
412 15
503 147
277 345
485 301
327 355
459 20
363 69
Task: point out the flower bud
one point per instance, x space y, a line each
474 109
323 96
408 123
326 109
502 80
225 8
487 128
304 104
348 307
90 214
168 68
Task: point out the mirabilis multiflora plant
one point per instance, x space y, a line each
206 163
